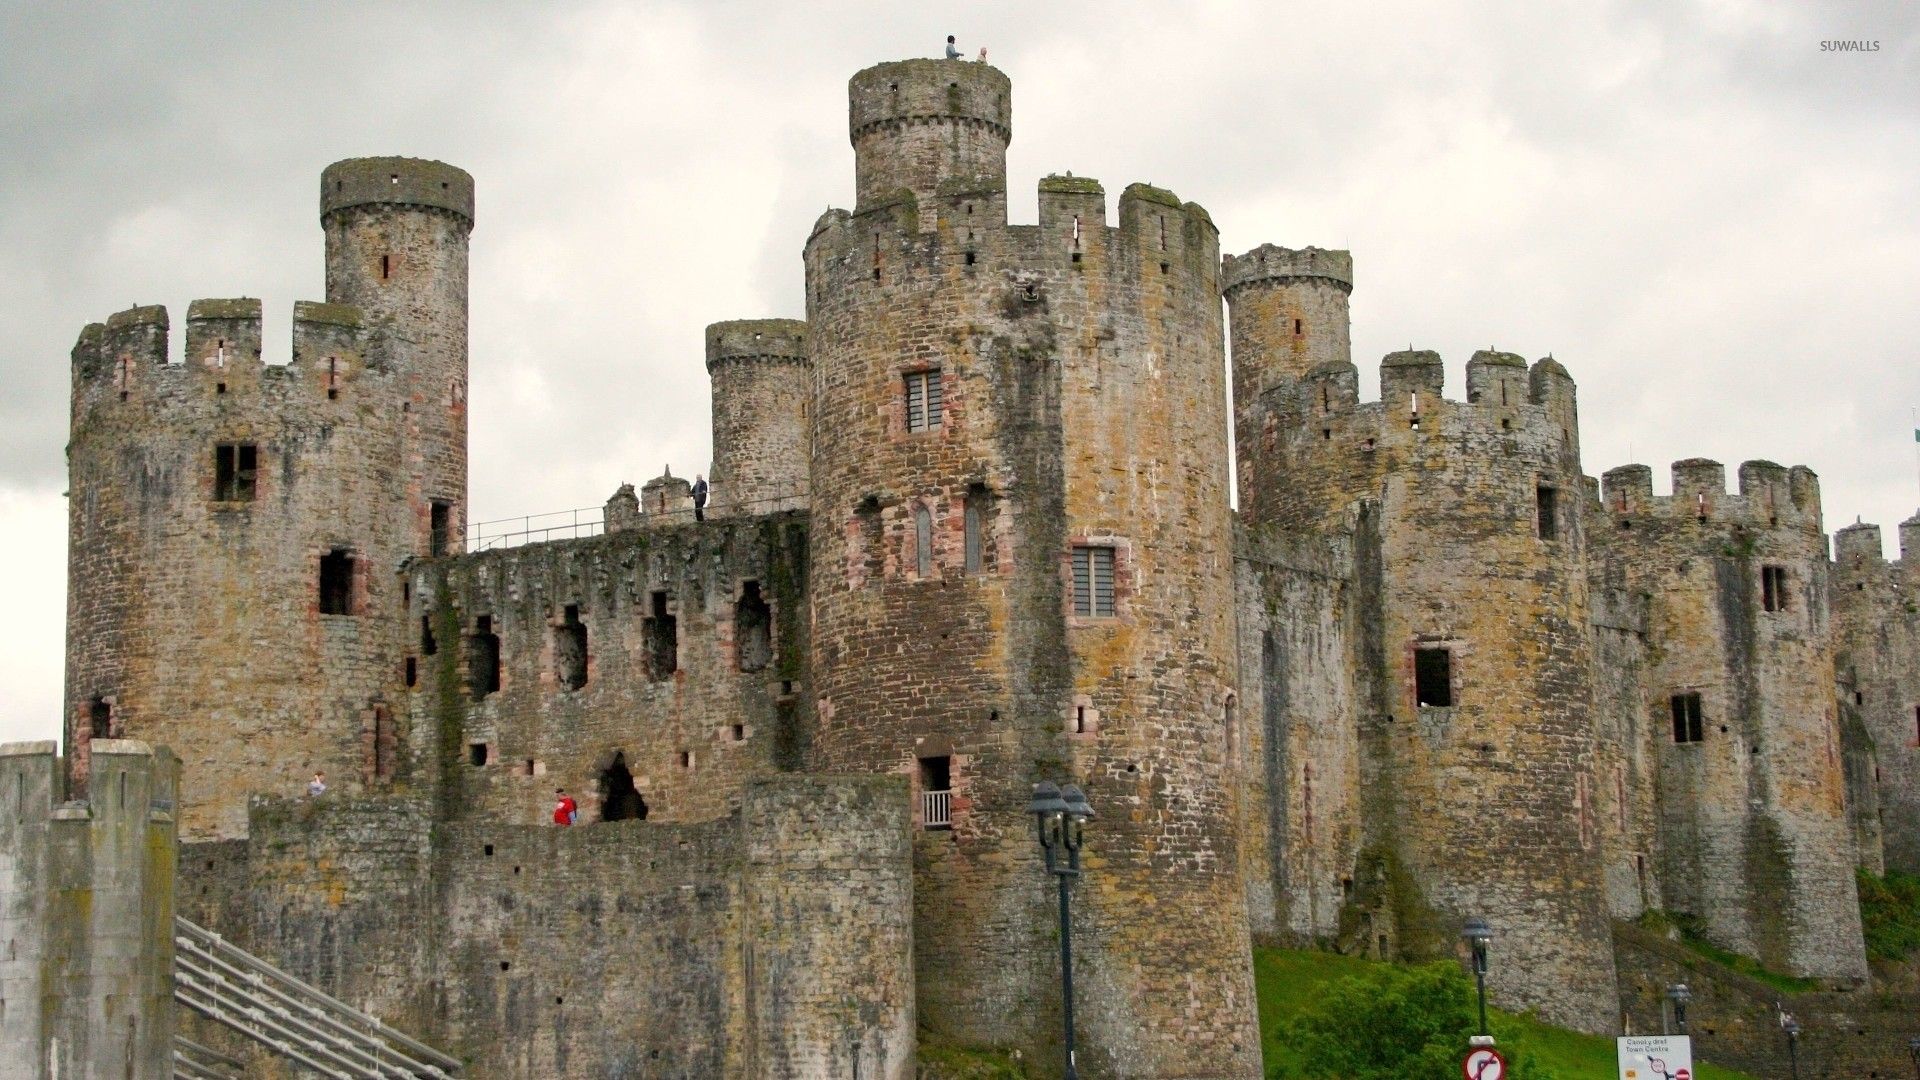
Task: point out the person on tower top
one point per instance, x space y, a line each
699 496
953 51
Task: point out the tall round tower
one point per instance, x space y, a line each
1288 316
397 249
1025 573
760 430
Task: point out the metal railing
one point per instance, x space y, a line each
936 809
191 1061
233 987
588 521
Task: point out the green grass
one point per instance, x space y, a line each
1890 914
1692 936
1288 980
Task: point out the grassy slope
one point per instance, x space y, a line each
1287 980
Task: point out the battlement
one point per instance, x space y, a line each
123 363
1769 496
756 339
129 778
1269 263
1413 385
1859 543
908 91
396 181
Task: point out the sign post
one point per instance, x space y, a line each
1655 1057
1483 1063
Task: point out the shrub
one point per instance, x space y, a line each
1395 1023
1890 914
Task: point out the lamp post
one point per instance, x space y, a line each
1792 1028
1059 817
1913 1050
1478 936
1679 994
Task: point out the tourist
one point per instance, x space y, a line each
699 496
565 810
317 786
953 51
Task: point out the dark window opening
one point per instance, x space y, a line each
1346 888
936 773
219 388
100 718
477 753
336 582
1079 719
1773 588
483 659
1164 267
686 759
1916 723
333 378
235 465
969 258
1433 678
1093 581
1859 698
440 528
739 733
1544 505
386 266
974 527
619 799
1074 258
753 628
385 745
570 650
428 646
1686 718
923 400
1298 327
663 641
413 671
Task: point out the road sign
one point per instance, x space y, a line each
1655 1057
1484 1063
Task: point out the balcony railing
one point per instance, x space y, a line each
936 809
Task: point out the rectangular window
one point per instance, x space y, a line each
1686 718
923 400
1543 502
936 792
234 467
336 582
570 650
662 640
1773 588
440 534
1433 678
483 659
1093 581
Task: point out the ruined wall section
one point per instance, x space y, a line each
674 653
1876 619
1754 836
86 909
762 432
197 615
1626 738
1082 405
1480 789
1293 740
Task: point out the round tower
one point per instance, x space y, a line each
1018 472
397 233
233 530
760 430
1288 315
918 123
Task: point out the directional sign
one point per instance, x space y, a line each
1655 1057
1484 1063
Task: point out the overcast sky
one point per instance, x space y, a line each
1713 223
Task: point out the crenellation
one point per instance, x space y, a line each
1769 496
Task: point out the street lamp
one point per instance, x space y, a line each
1679 994
1792 1028
1479 935
1913 1049
1059 817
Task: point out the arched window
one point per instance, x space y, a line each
619 799
923 540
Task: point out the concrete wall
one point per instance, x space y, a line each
86 910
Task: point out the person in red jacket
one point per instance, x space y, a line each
565 810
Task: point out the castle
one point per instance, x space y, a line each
970 530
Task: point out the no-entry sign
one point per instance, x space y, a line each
1483 1063
1655 1057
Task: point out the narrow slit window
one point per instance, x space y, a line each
440 527
413 671
753 628
1544 504
235 468
1093 581
923 400
1299 327
1433 678
974 527
1686 718
663 640
336 582
923 541
1773 588
386 266
385 745
428 646
100 718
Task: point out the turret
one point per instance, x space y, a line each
1288 312
397 249
919 124
761 437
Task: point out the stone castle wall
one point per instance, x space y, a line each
1876 619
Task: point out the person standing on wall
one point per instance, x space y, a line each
953 51
699 496
317 786
565 810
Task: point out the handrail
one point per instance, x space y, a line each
587 521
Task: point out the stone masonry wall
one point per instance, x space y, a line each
1876 619
761 428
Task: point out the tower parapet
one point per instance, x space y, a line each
920 124
761 436
1876 622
